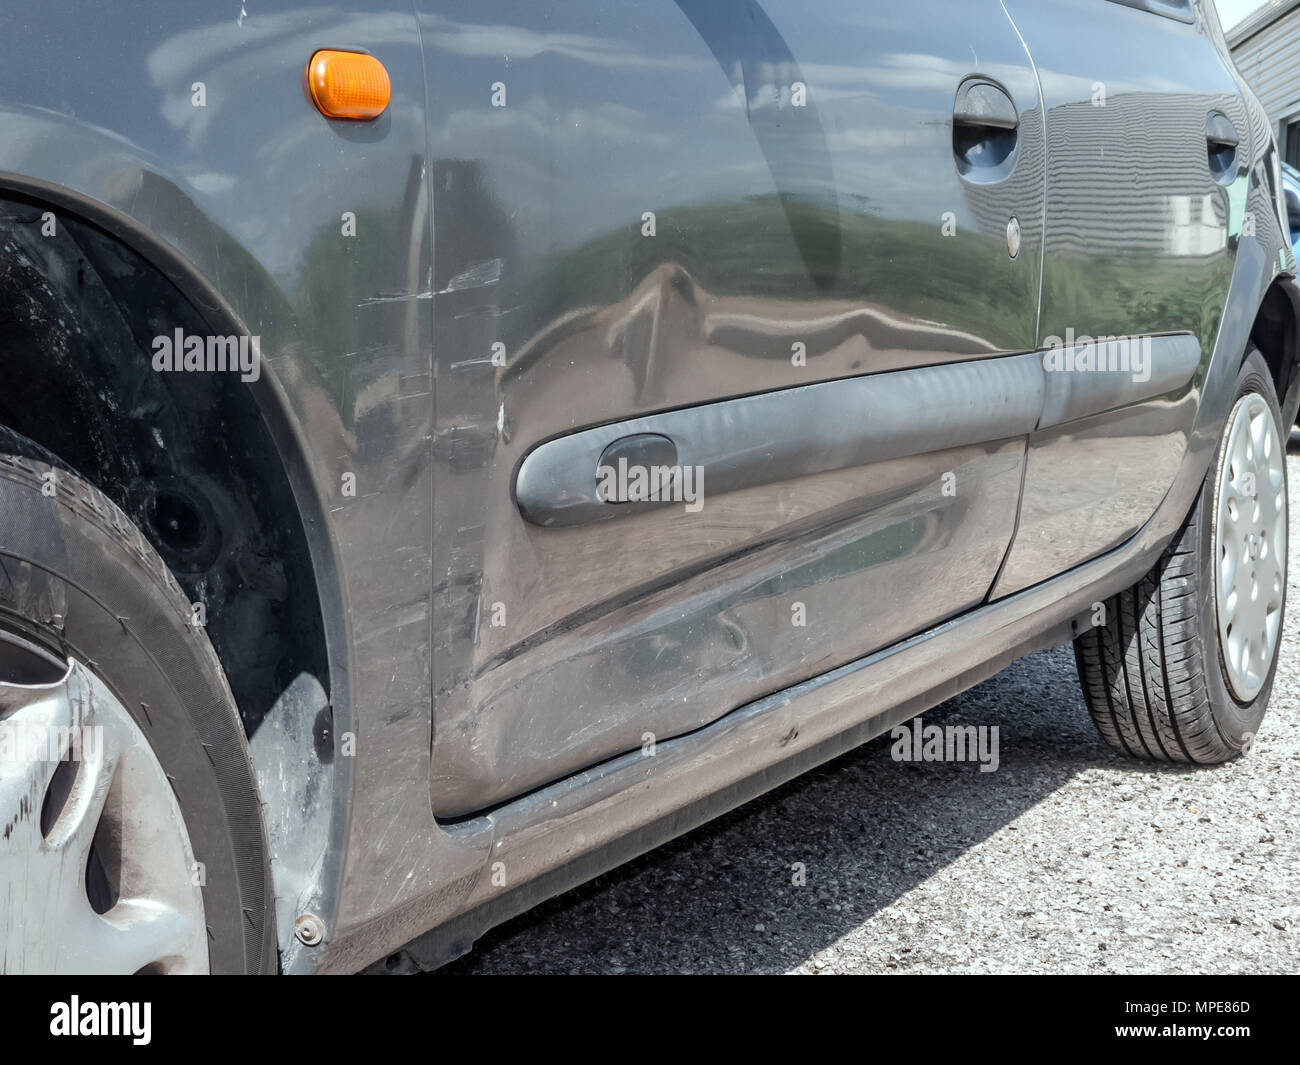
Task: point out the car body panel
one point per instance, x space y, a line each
1134 214
523 228
240 202
559 646
645 802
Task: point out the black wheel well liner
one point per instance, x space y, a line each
189 457
1274 332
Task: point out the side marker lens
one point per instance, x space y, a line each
347 84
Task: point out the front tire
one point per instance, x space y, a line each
1182 667
148 853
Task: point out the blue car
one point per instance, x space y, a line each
1291 190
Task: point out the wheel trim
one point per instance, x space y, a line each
115 798
1250 545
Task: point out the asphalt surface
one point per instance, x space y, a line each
1068 858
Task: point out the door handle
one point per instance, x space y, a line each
985 128
981 103
1221 141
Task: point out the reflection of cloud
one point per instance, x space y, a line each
1077 87
896 137
912 70
835 74
181 54
767 95
213 183
231 55
900 70
517 42
916 72
294 34
603 123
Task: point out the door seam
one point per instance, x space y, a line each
1042 106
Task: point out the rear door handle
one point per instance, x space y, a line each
984 130
1220 130
1221 141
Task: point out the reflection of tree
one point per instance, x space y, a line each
356 293
469 224
748 248
1135 293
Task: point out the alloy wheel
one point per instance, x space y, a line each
97 872
1250 545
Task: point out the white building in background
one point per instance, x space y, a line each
1266 47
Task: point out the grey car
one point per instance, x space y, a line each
450 448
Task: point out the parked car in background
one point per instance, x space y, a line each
1291 192
449 449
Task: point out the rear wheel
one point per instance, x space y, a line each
131 836
1182 668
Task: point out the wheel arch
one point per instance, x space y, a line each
74 355
1274 332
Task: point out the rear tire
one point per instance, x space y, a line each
1155 675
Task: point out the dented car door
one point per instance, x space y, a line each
772 254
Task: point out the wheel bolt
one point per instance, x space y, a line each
309 929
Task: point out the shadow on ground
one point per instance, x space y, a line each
1058 889
866 828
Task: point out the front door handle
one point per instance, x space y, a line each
981 103
985 128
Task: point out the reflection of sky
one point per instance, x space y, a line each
129 69
645 111
1233 11
670 123
619 102
102 44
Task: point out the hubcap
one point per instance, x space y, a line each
96 870
1250 545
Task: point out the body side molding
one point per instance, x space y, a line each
778 436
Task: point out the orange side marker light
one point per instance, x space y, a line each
347 84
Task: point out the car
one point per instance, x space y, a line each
1291 194
449 449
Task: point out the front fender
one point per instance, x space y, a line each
188 137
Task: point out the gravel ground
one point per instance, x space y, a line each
1068 858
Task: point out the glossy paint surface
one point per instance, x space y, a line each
522 226
778 227
1140 238
184 128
